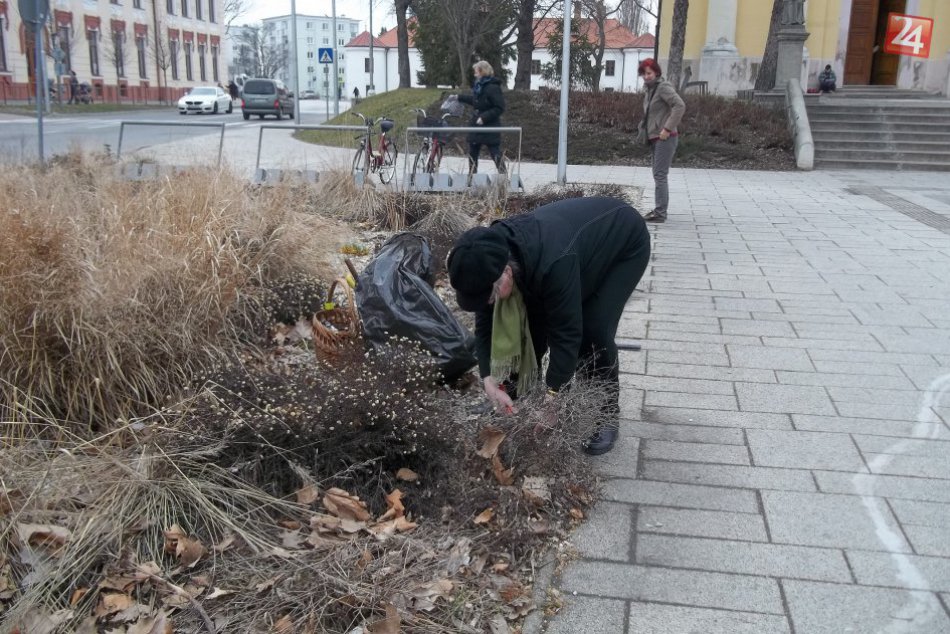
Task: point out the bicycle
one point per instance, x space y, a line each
368 160
429 156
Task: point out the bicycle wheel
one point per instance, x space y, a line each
359 161
418 165
388 169
435 159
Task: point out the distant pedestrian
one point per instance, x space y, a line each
73 88
663 109
356 94
233 90
489 104
827 81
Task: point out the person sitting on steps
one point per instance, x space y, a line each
827 82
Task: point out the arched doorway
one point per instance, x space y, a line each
865 61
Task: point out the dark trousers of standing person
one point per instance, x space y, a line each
599 359
663 152
494 150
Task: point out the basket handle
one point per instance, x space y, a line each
350 298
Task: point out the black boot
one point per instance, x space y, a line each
602 440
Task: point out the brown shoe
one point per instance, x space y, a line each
655 216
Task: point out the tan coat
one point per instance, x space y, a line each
666 108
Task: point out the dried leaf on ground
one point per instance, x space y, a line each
505 477
189 551
536 490
110 603
424 596
388 625
498 625
43 536
307 495
41 622
383 530
157 624
577 514
284 625
459 555
217 593
345 506
485 516
491 438
225 544
125 581
293 540
407 475
264 586
396 509
539 527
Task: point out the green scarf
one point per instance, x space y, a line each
511 347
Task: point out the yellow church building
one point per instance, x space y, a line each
725 40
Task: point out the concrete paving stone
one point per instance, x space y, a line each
720 524
745 284
621 461
895 429
804 450
696 452
690 400
700 311
757 328
715 373
654 618
798 316
893 411
914 466
769 358
630 329
633 362
683 346
607 533
847 367
922 446
736 305
670 384
794 288
921 513
716 555
923 377
829 380
871 358
684 587
599 616
679 495
936 343
712 418
825 608
631 404
890 569
928 540
868 345
729 475
834 521
900 487
872 396
890 316
661 326
810 330
699 337
784 399
683 433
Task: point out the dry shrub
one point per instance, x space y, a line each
114 293
529 201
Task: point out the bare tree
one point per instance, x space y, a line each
674 67
162 54
635 15
233 9
402 43
597 14
765 80
268 58
117 53
470 22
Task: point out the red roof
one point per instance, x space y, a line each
618 36
386 40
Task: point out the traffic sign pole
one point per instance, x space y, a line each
40 79
336 75
293 36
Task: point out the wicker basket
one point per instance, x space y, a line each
344 320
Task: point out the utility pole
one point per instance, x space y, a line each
293 49
565 88
336 74
372 60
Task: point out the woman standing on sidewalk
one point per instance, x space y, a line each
489 104
662 110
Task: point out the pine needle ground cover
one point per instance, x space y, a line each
175 457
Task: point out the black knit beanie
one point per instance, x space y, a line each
475 264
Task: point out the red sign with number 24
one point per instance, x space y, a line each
908 35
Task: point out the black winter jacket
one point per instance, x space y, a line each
489 105
564 250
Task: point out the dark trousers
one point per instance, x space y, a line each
827 86
73 94
494 149
599 359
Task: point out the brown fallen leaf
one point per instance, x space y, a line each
77 596
501 566
382 530
217 593
407 475
536 490
124 581
110 603
491 438
365 559
36 621
292 525
285 625
424 596
292 540
308 495
344 505
157 624
46 536
264 586
388 625
396 509
225 544
505 477
485 516
577 514
190 551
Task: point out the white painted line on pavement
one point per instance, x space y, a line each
917 612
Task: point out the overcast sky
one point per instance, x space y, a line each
359 9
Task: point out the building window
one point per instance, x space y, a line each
309 25
173 57
114 1
65 45
366 65
211 15
140 49
536 67
325 26
309 40
309 54
184 8
3 48
189 75
199 12
610 67
170 7
341 41
214 64
339 27
326 40
136 4
118 52
201 63
93 38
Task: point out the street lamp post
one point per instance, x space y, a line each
336 74
293 48
565 87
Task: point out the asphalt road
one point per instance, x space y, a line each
95 131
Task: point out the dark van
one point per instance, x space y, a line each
267 96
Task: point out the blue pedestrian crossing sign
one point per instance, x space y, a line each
325 55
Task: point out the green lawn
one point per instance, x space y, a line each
395 104
89 108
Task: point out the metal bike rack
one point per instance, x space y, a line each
442 182
272 176
141 175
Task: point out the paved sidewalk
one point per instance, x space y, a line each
785 462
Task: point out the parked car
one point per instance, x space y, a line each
308 94
209 99
267 96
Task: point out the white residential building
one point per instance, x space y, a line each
313 33
622 55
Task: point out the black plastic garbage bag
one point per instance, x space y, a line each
395 298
